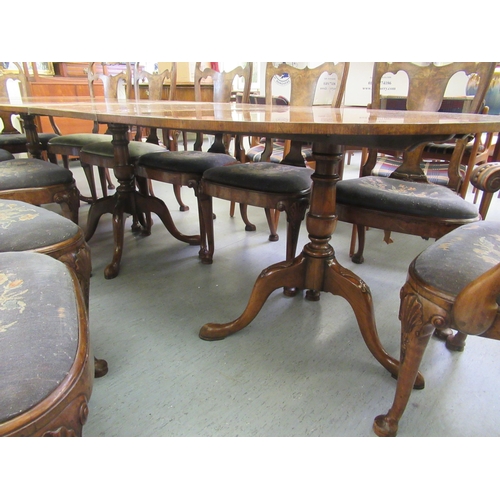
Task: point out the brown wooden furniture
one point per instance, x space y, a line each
26 227
454 283
437 156
316 268
44 311
185 168
71 81
272 186
114 81
303 90
10 138
304 84
39 182
406 201
155 84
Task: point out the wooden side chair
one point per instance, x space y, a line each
10 138
115 82
437 156
45 362
453 284
185 168
39 182
304 85
26 227
273 186
407 201
154 84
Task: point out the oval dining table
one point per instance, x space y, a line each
316 268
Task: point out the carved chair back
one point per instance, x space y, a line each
304 82
427 84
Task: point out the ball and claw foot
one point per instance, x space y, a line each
384 426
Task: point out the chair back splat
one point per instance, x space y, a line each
304 83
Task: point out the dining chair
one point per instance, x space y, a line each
407 201
27 228
302 93
47 370
159 86
14 85
114 83
275 187
185 168
437 156
39 182
305 88
455 284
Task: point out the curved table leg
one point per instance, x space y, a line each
343 282
96 211
272 278
145 204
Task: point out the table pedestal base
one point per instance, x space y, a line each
124 202
337 281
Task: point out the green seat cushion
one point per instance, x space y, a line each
135 149
79 140
5 155
25 173
195 162
268 177
460 256
27 227
407 198
39 329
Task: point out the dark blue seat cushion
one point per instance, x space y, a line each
20 139
268 177
5 155
407 198
195 162
79 140
26 173
460 256
135 149
39 329
27 227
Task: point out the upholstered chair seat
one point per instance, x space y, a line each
104 150
399 197
26 227
39 182
451 286
79 140
272 186
17 143
45 369
6 155
189 162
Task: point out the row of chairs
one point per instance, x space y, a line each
369 201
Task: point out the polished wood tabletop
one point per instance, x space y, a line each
259 119
316 269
